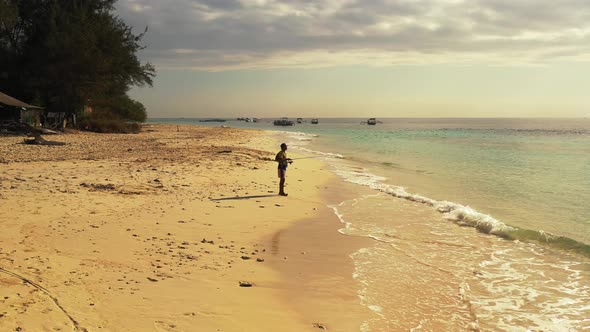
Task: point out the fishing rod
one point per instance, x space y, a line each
306 157
291 159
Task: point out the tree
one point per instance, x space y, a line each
65 54
123 107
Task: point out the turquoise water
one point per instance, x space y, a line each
532 174
534 180
518 187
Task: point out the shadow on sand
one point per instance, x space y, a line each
242 197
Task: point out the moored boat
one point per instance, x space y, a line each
371 122
212 120
283 122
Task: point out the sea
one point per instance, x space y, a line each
477 224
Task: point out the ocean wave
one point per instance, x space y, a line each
322 154
298 141
296 138
301 136
460 214
463 215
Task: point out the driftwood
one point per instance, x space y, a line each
38 140
16 128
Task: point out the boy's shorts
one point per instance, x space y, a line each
282 173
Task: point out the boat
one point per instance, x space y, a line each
283 122
299 120
314 121
371 122
212 120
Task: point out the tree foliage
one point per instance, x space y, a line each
64 54
123 107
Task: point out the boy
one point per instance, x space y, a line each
283 161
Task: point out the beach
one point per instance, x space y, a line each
474 224
441 174
411 225
177 228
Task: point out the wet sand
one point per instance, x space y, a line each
177 228
313 260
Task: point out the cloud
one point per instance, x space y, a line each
222 34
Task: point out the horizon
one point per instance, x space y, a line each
427 59
392 117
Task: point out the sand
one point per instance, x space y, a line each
177 228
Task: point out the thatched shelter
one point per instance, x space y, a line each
14 110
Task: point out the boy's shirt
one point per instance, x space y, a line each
281 158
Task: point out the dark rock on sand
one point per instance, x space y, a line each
320 326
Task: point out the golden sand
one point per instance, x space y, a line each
159 231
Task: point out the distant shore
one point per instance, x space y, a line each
171 229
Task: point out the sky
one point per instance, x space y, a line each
364 58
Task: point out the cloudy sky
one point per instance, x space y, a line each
355 58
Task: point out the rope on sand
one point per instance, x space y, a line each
77 326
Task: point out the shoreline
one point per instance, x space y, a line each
314 261
155 231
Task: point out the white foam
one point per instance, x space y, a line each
299 136
320 153
360 177
362 295
349 229
466 216
460 214
341 217
301 139
296 139
559 306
